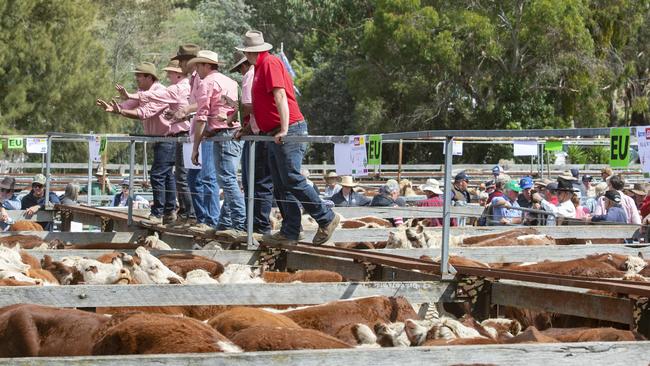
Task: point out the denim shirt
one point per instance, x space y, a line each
12 203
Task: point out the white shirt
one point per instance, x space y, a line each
565 209
247 95
329 191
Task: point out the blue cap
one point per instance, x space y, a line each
526 182
461 176
496 170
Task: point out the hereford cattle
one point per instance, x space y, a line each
34 330
98 273
459 342
200 312
23 241
261 338
518 236
302 276
65 275
13 282
199 277
240 273
366 222
181 263
407 237
592 335
147 269
26 225
139 333
531 335
233 320
419 331
154 242
574 267
456 260
337 318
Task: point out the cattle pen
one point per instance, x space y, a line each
380 272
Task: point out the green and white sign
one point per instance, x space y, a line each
619 147
374 150
15 143
553 145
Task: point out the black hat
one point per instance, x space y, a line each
564 185
461 176
613 196
575 172
186 52
551 186
587 178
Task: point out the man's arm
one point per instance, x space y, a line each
280 96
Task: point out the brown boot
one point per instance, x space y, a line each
324 233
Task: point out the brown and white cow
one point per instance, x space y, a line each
261 338
238 318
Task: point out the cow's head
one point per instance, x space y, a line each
391 335
154 268
66 275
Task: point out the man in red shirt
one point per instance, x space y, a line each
277 114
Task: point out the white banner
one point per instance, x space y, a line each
94 143
187 156
525 148
643 138
351 158
456 148
36 145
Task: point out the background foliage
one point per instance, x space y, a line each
363 66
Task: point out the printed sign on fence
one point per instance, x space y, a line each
619 147
15 143
351 158
525 148
643 137
374 150
36 145
553 145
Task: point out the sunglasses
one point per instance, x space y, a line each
37 185
125 187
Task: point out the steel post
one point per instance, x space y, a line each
251 193
47 170
446 209
131 177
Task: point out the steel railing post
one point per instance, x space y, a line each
131 177
251 193
47 170
446 209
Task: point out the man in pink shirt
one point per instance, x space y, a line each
155 124
214 114
263 188
176 96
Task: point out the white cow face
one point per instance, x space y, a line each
155 269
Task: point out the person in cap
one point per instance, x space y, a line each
499 186
277 114
101 186
496 171
489 187
214 107
332 185
616 183
176 96
503 208
7 194
121 199
564 208
614 209
587 188
263 183
347 197
389 197
459 189
202 183
525 198
152 115
431 189
35 199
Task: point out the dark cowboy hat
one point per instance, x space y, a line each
186 51
8 183
239 59
564 185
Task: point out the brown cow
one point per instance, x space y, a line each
25 225
574 267
279 339
139 333
25 241
200 312
33 330
337 318
302 276
531 335
181 263
232 321
592 335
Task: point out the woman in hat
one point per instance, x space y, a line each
332 185
7 195
347 197
434 199
122 199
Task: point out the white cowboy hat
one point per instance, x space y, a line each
206 57
431 185
254 42
347 181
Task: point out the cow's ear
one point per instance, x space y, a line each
641 255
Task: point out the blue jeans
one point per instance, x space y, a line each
285 162
162 179
180 173
263 187
204 188
226 160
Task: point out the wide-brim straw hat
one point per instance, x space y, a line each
347 181
146 68
567 176
254 42
174 66
239 60
431 188
8 183
206 57
331 175
638 189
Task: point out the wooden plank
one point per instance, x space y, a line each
563 300
226 294
569 354
40 216
83 237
